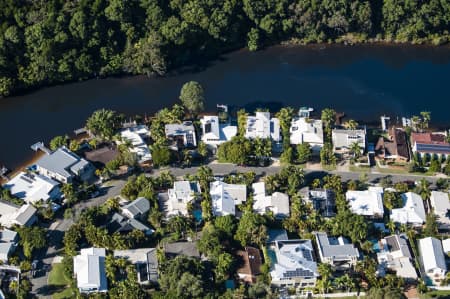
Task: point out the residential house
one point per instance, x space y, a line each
181 248
343 139
33 187
226 196
8 243
322 201
89 270
182 134
306 130
124 225
294 264
446 246
145 261
251 264
11 214
64 166
394 255
182 193
136 135
412 212
441 208
277 203
214 133
430 144
138 208
395 149
102 155
262 126
337 252
433 259
367 203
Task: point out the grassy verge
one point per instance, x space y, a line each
358 168
58 280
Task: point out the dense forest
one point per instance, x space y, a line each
50 41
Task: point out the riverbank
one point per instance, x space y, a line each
365 81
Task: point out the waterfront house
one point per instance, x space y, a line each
430 144
89 270
441 207
214 133
337 252
182 135
182 193
138 208
145 260
367 203
276 235
103 154
294 264
251 264
395 148
412 212
446 246
226 196
433 259
306 130
64 166
277 203
262 126
33 187
343 139
11 214
394 255
137 135
8 243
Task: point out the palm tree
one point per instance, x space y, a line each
351 124
328 118
416 122
391 226
325 271
272 183
285 116
355 149
423 189
345 282
426 117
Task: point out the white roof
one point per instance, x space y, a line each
89 269
11 214
181 193
432 254
278 203
31 187
366 203
413 210
135 256
262 126
294 256
440 203
215 133
134 135
344 138
259 188
226 196
446 245
306 130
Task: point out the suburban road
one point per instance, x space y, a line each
113 188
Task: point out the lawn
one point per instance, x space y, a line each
57 278
435 294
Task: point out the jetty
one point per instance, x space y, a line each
40 146
80 131
3 172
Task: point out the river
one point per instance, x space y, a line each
364 81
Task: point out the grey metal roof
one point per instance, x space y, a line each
334 250
62 161
6 248
433 148
7 235
182 248
138 207
26 215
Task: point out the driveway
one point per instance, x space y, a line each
55 236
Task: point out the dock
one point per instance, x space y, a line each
3 172
40 146
80 131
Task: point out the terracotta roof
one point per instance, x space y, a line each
252 261
428 138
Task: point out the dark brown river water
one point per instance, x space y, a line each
363 81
